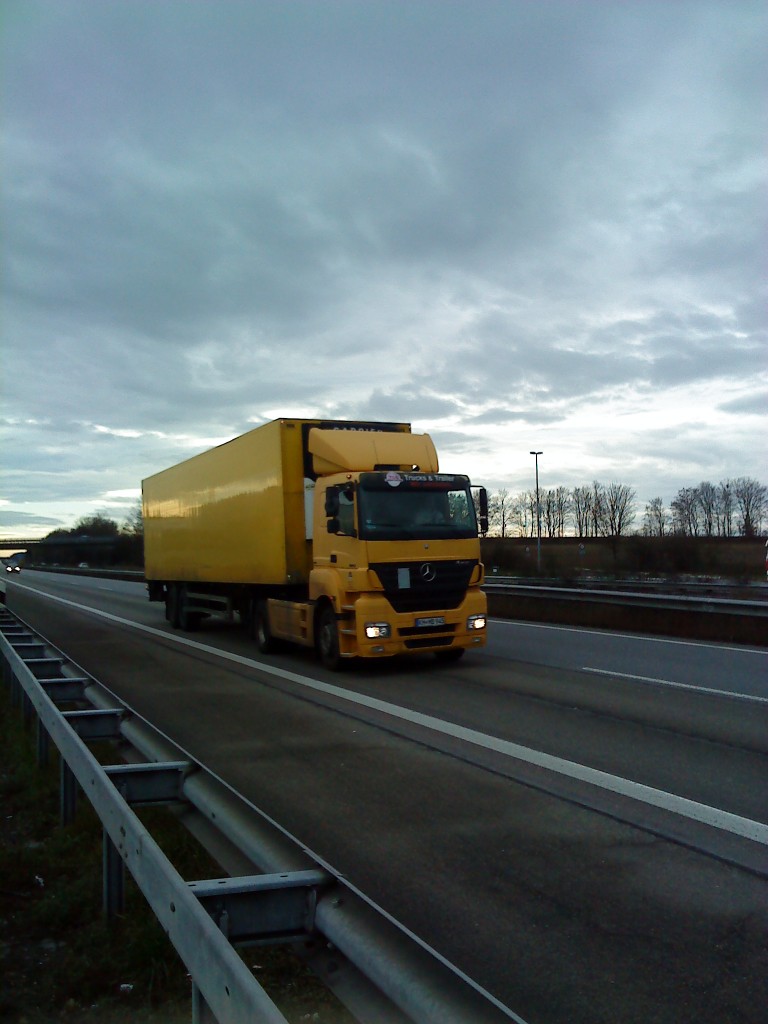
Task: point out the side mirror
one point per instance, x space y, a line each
483 517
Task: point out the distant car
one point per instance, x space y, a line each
82 565
12 568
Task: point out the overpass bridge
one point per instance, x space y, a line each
66 550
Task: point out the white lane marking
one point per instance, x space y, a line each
519 624
713 816
679 686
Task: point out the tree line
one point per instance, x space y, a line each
99 524
95 539
732 508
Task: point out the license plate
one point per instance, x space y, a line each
436 620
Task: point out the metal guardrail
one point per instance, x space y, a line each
686 602
229 989
694 617
281 893
685 584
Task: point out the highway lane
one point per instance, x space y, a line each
565 914
713 666
596 720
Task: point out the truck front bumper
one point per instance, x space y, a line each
379 631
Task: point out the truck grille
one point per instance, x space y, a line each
423 586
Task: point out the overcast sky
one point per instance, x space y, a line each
518 225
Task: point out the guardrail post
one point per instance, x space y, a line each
201 1011
67 793
16 692
43 745
113 879
27 708
8 677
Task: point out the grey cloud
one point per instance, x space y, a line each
666 349
752 405
500 414
477 214
26 520
405 404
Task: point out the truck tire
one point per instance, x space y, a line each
259 628
327 639
188 621
172 605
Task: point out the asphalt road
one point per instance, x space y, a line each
575 819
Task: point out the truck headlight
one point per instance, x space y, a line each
378 630
476 622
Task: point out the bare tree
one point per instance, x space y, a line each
598 519
526 508
97 524
500 513
563 507
549 512
582 504
519 515
725 505
620 508
556 506
708 498
685 511
655 519
133 523
752 503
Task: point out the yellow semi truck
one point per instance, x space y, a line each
340 535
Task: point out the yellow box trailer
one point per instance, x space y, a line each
338 534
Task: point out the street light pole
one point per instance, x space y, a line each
538 515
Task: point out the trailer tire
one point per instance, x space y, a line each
327 635
259 628
189 621
172 605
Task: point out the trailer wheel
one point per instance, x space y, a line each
260 630
172 605
328 640
188 621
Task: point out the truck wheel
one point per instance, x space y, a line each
188 621
260 631
328 640
172 605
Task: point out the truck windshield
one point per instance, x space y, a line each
411 506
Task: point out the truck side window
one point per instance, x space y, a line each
346 514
